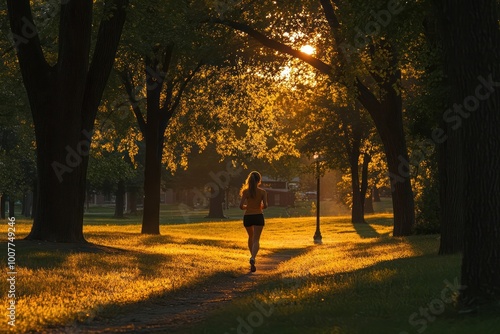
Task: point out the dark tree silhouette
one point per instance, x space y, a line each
471 39
64 98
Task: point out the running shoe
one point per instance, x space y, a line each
252 265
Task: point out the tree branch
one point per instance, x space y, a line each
178 97
34 67
126 77
330 15
365 96
108 38
273 44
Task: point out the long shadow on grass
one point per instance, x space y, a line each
99 219
186 301
364 230
422 244
377 220
213 243
377 299
51 255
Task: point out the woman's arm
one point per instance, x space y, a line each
243 206
264 200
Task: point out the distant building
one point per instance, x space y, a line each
278 192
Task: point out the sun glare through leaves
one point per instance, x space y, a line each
307 49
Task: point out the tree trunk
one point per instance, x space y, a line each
364 181
472 45
61 196
12 209
153 129
402 195
353 138
23 204
375 194
451 192
369 204
154 150
357 211
132 200
120 199
64 99
215 206
359 191
2 205
388 117
152 180
27 204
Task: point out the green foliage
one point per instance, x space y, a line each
106 170
17 156
426 185
17 161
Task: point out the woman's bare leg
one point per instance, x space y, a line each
250 238
257 231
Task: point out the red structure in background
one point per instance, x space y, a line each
278 192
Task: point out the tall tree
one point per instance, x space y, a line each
471 38
339 132
158 68
437 189
167 78
64 98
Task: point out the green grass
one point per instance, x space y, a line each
355 284
182 214
360 280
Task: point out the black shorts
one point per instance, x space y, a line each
251 220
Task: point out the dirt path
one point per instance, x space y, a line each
166 315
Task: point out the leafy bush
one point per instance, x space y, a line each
427 202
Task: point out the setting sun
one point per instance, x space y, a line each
307 49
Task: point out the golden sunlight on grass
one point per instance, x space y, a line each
346 249
60 286
353 283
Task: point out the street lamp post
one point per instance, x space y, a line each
317 235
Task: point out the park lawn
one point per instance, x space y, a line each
58 285
360 280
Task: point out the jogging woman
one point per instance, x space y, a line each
253 201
